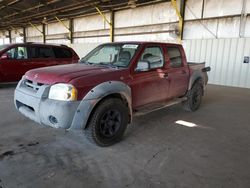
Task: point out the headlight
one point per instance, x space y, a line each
63 92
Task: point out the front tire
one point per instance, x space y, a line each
108 122
194 97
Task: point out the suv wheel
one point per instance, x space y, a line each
108 122
194 97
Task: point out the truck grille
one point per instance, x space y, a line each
32 85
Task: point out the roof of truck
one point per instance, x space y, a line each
142 42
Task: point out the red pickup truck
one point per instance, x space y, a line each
16 59
108 86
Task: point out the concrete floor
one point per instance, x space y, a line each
156 152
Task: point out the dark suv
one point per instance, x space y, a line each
16 59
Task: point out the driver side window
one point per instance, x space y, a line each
153 55
19 52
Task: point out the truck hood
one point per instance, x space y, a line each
65 73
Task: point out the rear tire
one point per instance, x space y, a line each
108 122
194 97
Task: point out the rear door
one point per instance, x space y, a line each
14 66
150 86
41 56
63 55
178 71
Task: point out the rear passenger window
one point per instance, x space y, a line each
175 57
62 52
33 52
45 52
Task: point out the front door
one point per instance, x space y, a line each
14 66
150 86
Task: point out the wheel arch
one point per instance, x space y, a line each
195 77
111 95
110 89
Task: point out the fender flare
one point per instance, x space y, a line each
196 75
94 96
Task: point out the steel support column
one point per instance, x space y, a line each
112 18
24 35
10 36
182 11
180 14
71 30
44 33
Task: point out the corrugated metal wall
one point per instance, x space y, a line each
225 56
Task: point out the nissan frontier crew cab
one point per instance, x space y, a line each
110 85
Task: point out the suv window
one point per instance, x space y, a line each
19 52
154 56
45 52
62 52
175 57
33 52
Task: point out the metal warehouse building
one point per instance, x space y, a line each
216 32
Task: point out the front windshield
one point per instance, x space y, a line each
118 55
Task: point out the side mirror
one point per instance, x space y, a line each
142 66
5 56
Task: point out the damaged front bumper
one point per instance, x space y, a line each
31 99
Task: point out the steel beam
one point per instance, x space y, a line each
42 32
111 26
68 28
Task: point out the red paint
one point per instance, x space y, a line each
12 70
147 87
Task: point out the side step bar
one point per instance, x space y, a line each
152 108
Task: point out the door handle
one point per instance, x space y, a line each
183 72
165 75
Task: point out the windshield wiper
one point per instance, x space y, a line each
108 65
85 62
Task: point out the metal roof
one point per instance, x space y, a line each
19 13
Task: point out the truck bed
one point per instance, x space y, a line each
199 67
195 66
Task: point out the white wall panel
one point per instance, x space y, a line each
31 31
193 9
92 40
83 49
248 6
214 8
35 39
225 56
200 30
57 28
157 37
89 23
228 27
58 41
152 14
